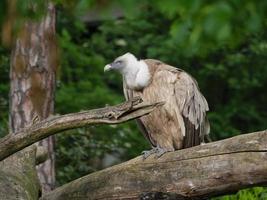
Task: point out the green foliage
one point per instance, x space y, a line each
199 26
223 44
3 6
30 9
4 88
256 193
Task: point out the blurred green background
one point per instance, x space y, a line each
223 44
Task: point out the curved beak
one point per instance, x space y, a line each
107 68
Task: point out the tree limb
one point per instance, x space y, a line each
108 115
203 171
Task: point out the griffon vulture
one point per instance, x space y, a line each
181 122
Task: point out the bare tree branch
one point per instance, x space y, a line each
203 171
108 115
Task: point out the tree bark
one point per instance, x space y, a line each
32 74
108 115
18 177
203 171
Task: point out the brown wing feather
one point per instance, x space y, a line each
191 134
191 102
193 106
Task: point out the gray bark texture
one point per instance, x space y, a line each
199 172
18 177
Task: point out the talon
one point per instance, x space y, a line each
160 151
137 99
134 101
131 105
148 153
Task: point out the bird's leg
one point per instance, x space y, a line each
208 138
148 153
202 139
161 150
131 100
205 139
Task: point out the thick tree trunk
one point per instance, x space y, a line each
33 67
203 171
18 177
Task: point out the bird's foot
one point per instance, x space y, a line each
148 153
158 151
133 101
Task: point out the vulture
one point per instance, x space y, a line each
181 122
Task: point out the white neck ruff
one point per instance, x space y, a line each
136 74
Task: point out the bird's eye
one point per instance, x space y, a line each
118 62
